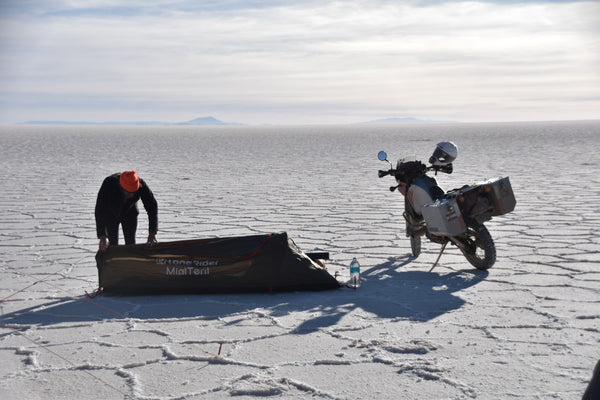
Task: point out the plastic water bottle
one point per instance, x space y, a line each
354 272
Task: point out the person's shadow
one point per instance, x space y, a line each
387 290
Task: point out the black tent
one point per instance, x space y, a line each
259 263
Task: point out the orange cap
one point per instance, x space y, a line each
130 181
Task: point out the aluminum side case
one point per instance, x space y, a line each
443 218
501 196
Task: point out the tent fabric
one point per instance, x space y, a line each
258 263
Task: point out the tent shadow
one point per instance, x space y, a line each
387 291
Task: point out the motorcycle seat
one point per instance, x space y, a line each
436 192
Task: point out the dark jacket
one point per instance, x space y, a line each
111 204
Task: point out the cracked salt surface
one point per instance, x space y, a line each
527 328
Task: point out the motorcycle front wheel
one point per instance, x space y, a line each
415 240
478 247
415 245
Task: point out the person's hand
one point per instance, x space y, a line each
151 239
103 243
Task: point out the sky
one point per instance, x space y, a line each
298 62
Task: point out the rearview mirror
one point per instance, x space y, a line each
382 155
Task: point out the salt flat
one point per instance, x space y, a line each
528 328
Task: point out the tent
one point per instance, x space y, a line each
258 263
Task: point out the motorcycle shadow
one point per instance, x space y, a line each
387 290
418 295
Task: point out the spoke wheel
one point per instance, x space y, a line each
478 247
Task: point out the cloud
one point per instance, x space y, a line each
331 61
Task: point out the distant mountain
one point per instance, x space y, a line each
211 121
401 121
197 121
205 121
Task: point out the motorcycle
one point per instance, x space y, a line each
456 216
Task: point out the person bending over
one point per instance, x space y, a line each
117 204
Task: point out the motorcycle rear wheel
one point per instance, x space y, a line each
478 247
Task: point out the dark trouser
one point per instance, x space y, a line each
129 224
593 390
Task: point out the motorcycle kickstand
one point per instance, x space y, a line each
439 256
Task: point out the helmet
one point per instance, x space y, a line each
444 154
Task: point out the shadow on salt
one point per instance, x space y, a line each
387 291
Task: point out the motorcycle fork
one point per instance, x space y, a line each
415 225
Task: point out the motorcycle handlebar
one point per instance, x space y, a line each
385 173
447 169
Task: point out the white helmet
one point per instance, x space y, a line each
444 154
